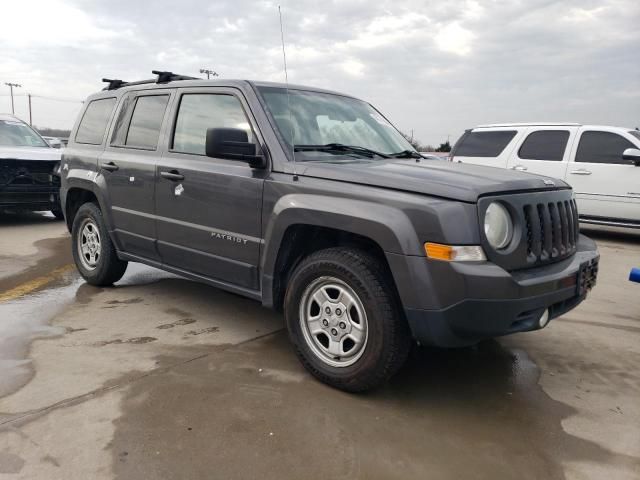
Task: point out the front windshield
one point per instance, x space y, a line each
14 133
310 121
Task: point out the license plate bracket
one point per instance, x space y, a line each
587 276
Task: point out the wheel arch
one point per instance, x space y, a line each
76 191
328 222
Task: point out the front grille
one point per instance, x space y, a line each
551 230
545 228
28 172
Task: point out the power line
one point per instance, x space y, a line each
57 99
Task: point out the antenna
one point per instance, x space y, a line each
286 79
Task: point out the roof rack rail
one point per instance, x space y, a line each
163 77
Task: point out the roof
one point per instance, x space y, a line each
218 82
531 124
550 124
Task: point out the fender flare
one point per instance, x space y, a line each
89 181
387 226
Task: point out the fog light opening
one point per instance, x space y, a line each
544 319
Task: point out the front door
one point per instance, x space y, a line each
606 185
128 166
209 209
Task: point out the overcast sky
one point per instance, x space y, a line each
436 67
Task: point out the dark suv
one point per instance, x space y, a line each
311 202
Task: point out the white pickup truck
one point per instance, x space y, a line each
601 163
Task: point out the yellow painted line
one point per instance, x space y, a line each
32 285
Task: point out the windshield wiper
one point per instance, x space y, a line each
340 147
406 154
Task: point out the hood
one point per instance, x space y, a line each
29 153
457 181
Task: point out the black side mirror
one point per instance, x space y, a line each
233 144
633 155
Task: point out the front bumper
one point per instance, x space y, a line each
30 198
491 302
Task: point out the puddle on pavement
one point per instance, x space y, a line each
26 319
52 253
471 413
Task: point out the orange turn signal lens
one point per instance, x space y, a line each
437 251
453 253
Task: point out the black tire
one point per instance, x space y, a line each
388 336
57 212
109 268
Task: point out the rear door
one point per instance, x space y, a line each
209 209
489 146
128 166
544 150
606 186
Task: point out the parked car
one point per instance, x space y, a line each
601 163
29 169
311 202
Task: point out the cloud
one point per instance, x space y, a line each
51 23
433 67
353 67
454 39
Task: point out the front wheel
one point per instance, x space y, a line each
344 319
93 252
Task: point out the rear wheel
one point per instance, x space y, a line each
93 252
344 320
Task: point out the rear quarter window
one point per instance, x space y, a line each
483 144
94 121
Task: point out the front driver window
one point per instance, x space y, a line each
602 147
199 112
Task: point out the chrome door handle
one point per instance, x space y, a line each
520 168
582 171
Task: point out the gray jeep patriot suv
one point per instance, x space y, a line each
311 202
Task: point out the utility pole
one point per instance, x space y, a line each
30 118
11 85
209 72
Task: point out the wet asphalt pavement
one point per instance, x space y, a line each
161 377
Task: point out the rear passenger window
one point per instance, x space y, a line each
545 145
199 112
144 129
484 144
94 121
602 147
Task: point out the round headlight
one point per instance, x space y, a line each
498 226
